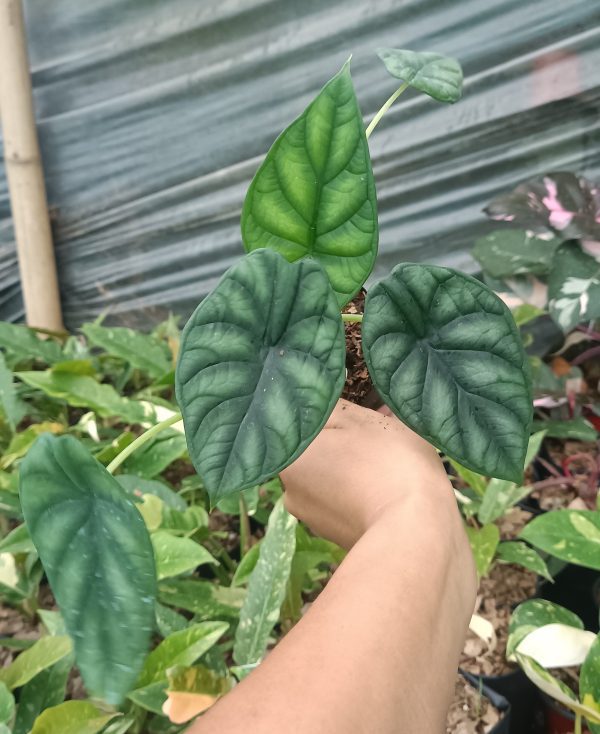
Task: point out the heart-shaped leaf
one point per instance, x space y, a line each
571 535
523 555
314 194
438 76
444 353
98 558
260 368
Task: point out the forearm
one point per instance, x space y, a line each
378 650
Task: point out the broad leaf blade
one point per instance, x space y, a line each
484 542
571 535
175 556
314 195
523 555
266 588
444 353
508 252
438 76
260 369
98 558
44 653
72 717
24 344
142 351
7 705
533 614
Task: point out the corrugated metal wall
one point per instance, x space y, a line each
154 115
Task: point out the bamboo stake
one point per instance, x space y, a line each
24 173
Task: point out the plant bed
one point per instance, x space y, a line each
476 709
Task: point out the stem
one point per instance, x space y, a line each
352 318
385 108
244 528
577 723
140 441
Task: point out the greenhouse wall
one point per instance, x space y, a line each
153 116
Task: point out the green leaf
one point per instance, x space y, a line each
438 76
45 690
24 344
72 717
17 541
150 697
474 480
155 456
98 558
45 652
142 351
203 598
84 392
230 505
266 588
484 542
169 621
246 566
535 613
12 407
589 682
578 428
22 442
444 353
574 287
175 556
314 195
180 648
571 535
508 252
525 313
523 555
7 705
114 448
260 369
138 486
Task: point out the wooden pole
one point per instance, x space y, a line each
25 176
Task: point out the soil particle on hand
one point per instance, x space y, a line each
470 712
358 388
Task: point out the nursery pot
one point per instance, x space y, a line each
521 695
499 702
577 589
557 719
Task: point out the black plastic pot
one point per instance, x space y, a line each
577 589
499 702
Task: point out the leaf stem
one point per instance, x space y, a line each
140 441
352 318
374 122
244 528
577 723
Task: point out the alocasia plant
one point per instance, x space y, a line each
262 364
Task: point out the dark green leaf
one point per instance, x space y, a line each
314 194
578 428
508 252
45 690
266 588
10 404
24 344
523 555
260 369
155 456
438 76
142 351
98 558
83 391
571 535
574 287
444 353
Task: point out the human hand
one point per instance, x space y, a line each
363 465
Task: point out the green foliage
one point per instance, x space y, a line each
141 351
535 613
72 717
445 355
484 542
98 559
589 682
523 555
578 428
314 194
44 653
574 287
275 368
175 556
438 76
23 344
571 535
509 252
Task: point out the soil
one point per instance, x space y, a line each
358 388
506 586
580 462
470 711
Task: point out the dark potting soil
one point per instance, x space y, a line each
470 712
579 460
499 592
358 388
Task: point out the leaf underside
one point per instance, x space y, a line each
445 355
261 366
98 558
440 77
314 195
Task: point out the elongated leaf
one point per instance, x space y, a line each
438 76
7 705
45 652
474 480
175 556
589 683
533 614
47 689
155 456
444 353
574 287
142 351
246 566
83 391
98 558
260 369
523 555
266 588
508 252
571 535
578 428
314 195
151 698
180 648
17 541
484 542
204 599
72 717
193 690
24 344
10 404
